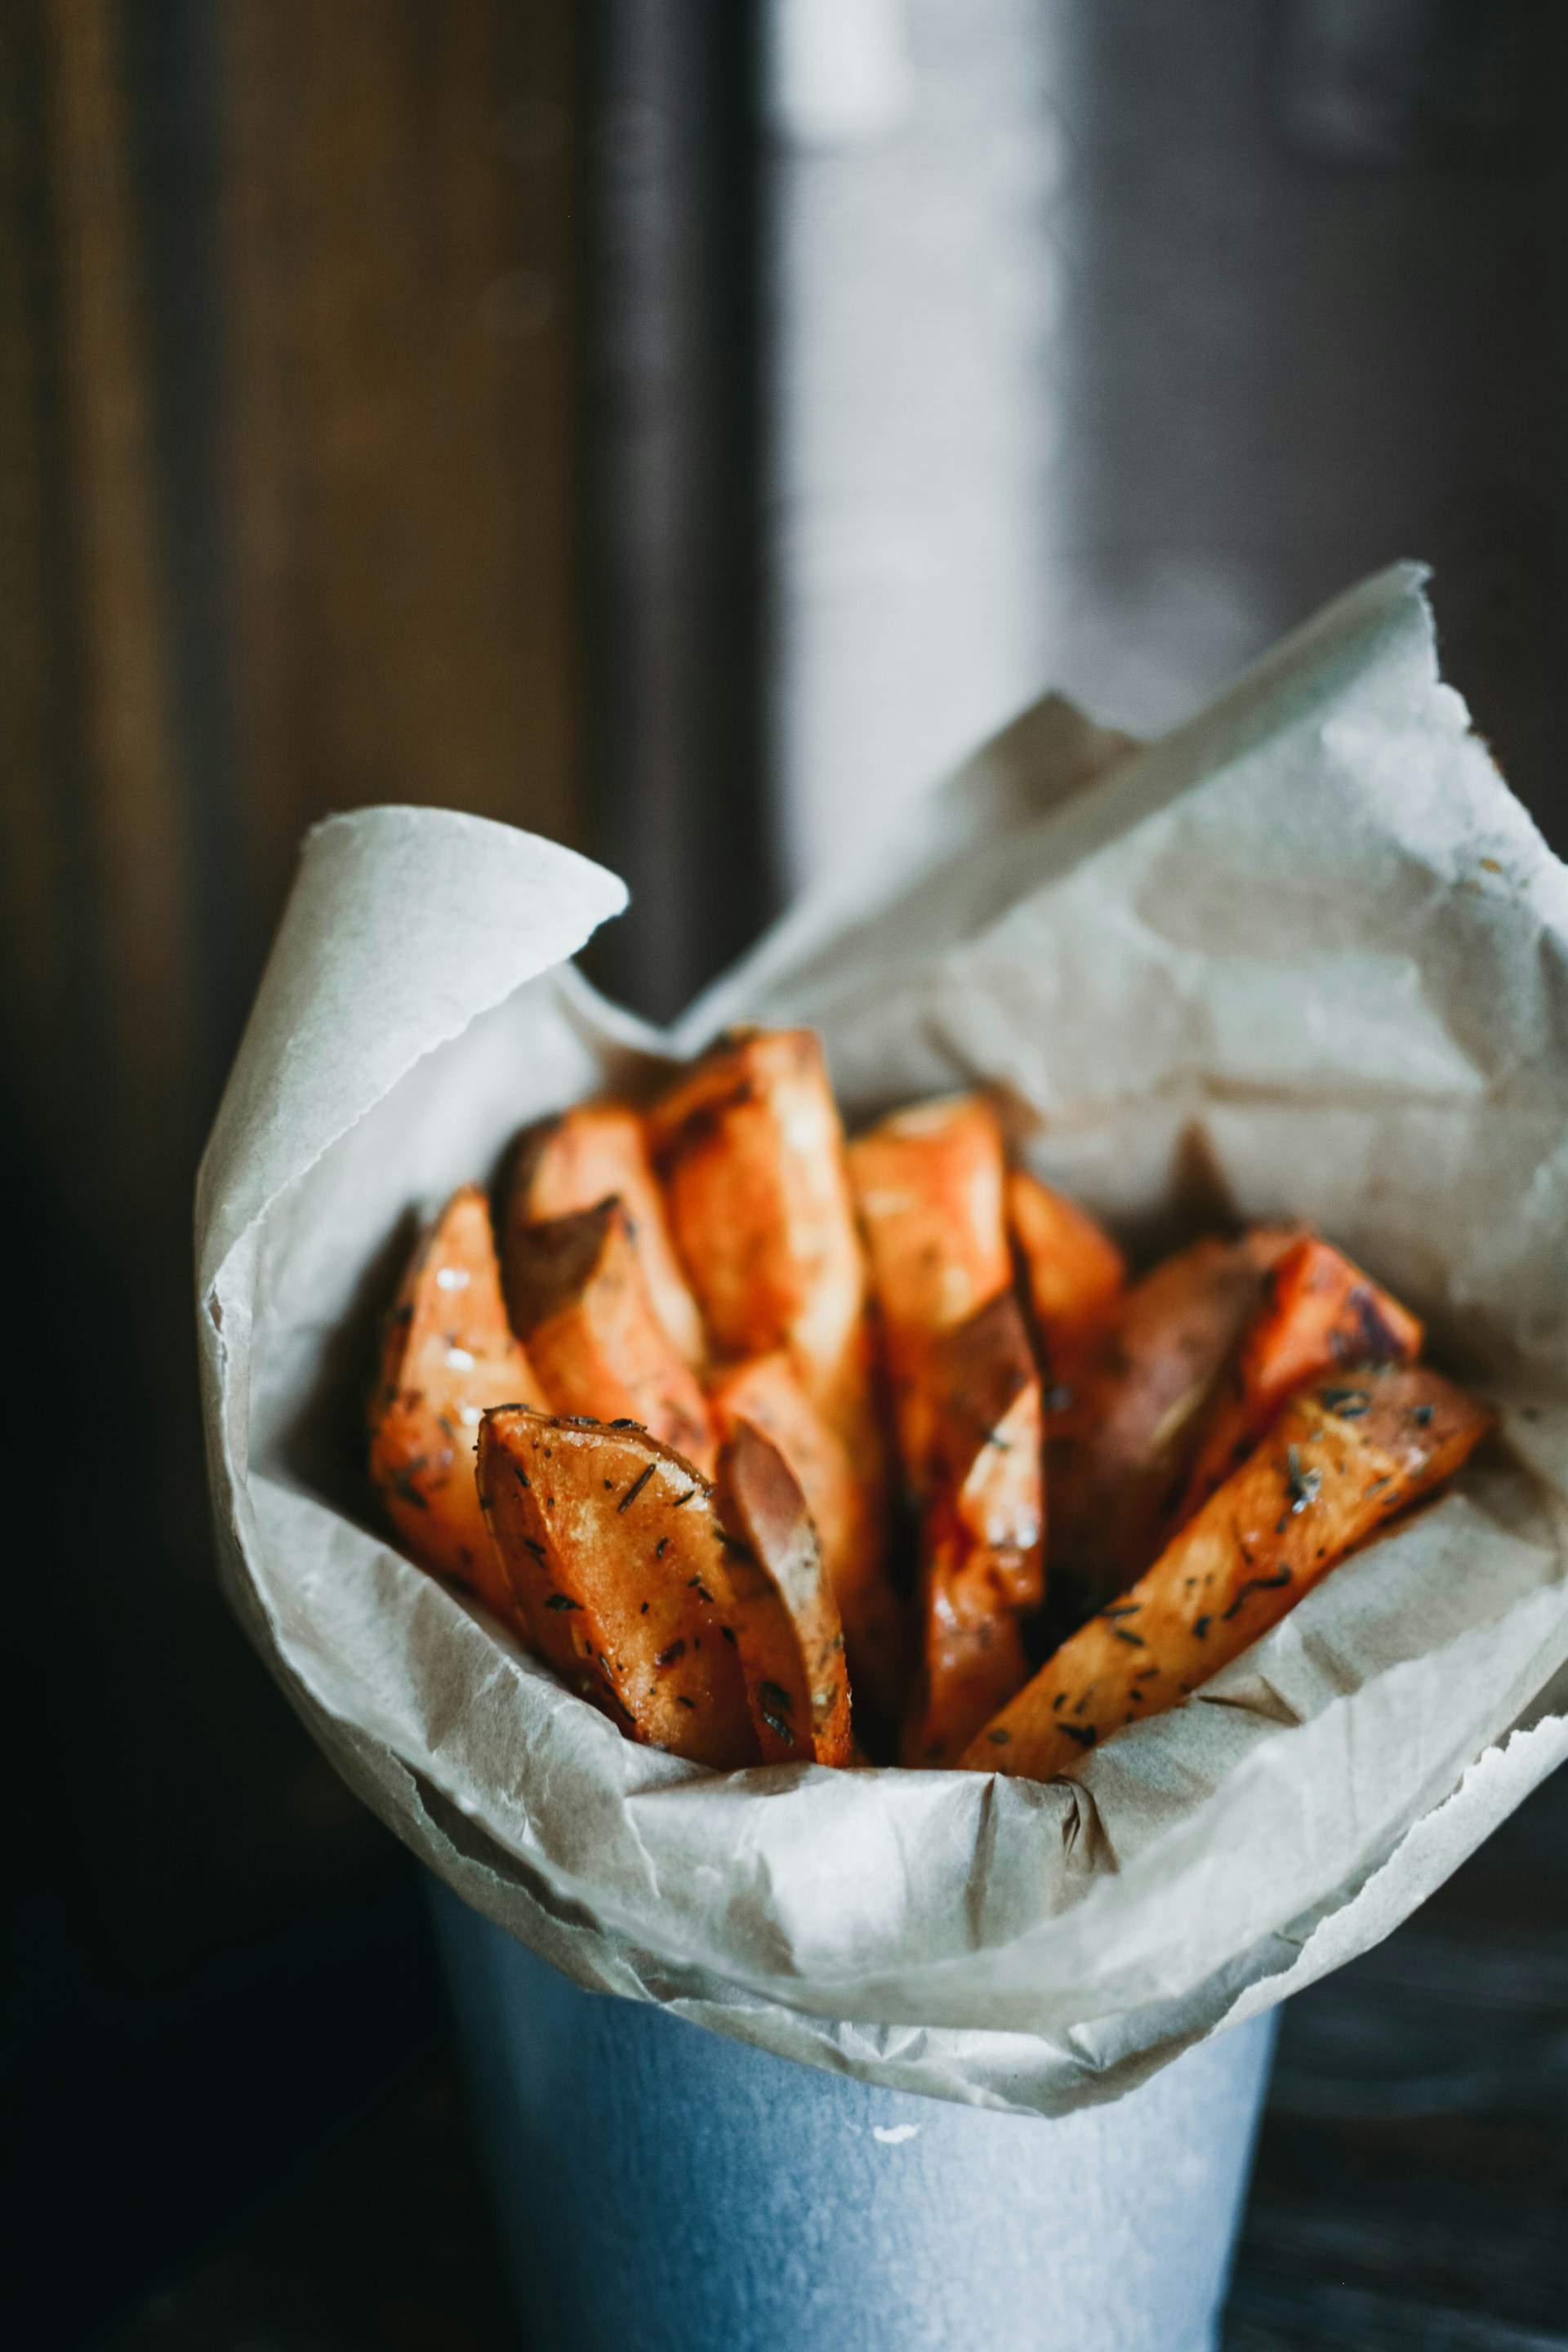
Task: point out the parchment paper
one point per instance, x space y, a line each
1304 954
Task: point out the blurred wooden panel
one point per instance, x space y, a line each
401 469
288 485
288 497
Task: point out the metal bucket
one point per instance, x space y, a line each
661 2189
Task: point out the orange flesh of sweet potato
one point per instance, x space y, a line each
982 1529
1318 1310
972 1654
577 1288
781 1607
611 1541
750 1149
449 1354
1073 1274
767 1392
929 1187
988 1446
589 1153
1119 1445
1340 1460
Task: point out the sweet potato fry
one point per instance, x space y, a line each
781 1607
928 1186
1318 1310
577 1288
1340 1460
1118 1444
1073 1274
751 1152
583 1156
612 1545
988 1444
767 1392
448 1353
982 1529
972 1654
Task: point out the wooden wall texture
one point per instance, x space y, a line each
288 496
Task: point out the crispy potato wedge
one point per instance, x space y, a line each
587 1154
982 1529
767 1392
786 1619
1340 1460
988 1445
610 1541
750 1149
928 1186
448 1353
1119 1444
578 1292
971 1654
1318 1310
1072 1272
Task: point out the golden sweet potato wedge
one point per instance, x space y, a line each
1340 1460
982 1529
929 1187
781 1607
989 1443
767 1392
611 1543
1318 1310
971 1656
1073 1274
1119 1444
577 1289
750 1149
448 1353
587 1154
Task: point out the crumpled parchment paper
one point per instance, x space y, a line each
1305 954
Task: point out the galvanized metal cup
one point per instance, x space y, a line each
662 2188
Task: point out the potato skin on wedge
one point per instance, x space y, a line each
578 1291
1319 1309
989 1441
449 1354
583 1156
982 1529
1120 1442
1343 1457
750 1149
929 1189
610 1542
1071 1270
972 1656
786 1622
767 1393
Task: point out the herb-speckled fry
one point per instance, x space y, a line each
929 1187
767 1392
1318 1310
583 1156
781 1607
449 1352
577 1288
611 1539
1073 1274
750 1149
1341 1458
